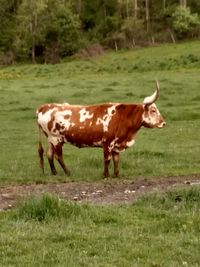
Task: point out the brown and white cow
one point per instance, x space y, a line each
112 126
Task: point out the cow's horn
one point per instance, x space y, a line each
151 99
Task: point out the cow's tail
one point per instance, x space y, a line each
40 148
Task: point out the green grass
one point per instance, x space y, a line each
173 150
158 230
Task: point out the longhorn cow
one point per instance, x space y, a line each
112 126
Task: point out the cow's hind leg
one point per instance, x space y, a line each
115 156
59 157
40 153
50 156
107 158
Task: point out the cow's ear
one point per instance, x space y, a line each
151 99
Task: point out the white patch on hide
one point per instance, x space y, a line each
118 150
44 119
53 140
112 144
84 114
59 117
107 118
130 143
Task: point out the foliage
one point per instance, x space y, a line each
183 21
99 18
30 27
62 35
47 30
135 31
8 11
47 26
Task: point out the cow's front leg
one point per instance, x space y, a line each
115 156
50 156
107 158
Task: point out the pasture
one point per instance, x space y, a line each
157 230
115 77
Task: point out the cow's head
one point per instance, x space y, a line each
151 116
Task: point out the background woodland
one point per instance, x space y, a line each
45 31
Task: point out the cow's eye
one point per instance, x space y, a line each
153 111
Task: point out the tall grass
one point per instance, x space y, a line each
40 209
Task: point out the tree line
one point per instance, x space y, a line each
48 30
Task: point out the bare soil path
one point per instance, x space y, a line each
110 191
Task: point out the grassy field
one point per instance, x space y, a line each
157 230
114 77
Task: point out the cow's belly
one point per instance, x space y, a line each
81 139
84 144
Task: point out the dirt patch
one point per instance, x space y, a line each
110 191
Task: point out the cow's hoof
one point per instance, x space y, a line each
68 173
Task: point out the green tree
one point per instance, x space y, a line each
63 32
49 25
194 6
98 17
53 29
8 9
183 20
30 26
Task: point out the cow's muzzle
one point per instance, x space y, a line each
162 124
